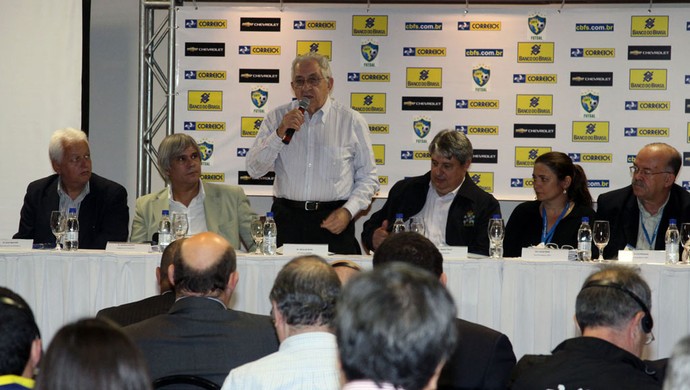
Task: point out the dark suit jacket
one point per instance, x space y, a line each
468 217
483 359
103 214
619 207
198 336
134 312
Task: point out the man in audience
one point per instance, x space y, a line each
326 173
639 213
200 335
678 372
612 311
20 343
395 329
303 298
222 209
101 204
131 313
483 358
455 211
345 269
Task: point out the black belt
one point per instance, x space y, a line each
310 205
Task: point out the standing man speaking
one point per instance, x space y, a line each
325 171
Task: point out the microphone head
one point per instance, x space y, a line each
304 103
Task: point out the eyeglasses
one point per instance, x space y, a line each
183 159
78 159
646 172
312 81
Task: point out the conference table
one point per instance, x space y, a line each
531 301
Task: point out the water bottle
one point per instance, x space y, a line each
672 242
72 232
496 235
399 224
270 235
584 241
164 230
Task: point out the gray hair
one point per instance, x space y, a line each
450 143
321 60
678 370
171 147
60 138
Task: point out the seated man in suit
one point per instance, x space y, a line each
101 204
200 335
222 209
455 211
20 344
612 311
639 213
303 299
483 358
134 312
395 329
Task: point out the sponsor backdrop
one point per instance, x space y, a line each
596 83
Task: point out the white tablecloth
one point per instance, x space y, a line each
533 302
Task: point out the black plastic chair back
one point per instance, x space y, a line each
192 381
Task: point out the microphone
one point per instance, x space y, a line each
303 104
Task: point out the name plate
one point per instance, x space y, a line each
549 254
305 249
112 246
641 256
453 252
16 244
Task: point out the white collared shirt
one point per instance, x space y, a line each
66 202
435 214
651 223
195 212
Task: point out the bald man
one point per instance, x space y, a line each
200 335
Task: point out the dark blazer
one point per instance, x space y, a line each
103 214
619 207
468 216
134 312
483 359
198 336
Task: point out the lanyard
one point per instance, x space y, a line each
547 236
650 241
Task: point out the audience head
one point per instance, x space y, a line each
92 354
304 295
616 299
570 178
70 157
411 248
678 370
20 343
204 265
451 156
345 269
179 159
167 259
657 165
396 325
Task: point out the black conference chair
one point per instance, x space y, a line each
192 381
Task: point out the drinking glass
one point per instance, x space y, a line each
600 235
180 225
496 235
417 225
257 229
58 224
685 237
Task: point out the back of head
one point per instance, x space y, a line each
203 264
395 325
562 166
92 354
167 258
305 292
678 370
607 298
18 329
62 137
171 147
450 143
411 248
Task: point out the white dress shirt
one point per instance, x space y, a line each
329 159
435 214
196 214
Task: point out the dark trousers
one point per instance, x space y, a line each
299 226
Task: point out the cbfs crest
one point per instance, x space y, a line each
369 51
481 76
422 127
536 24
206 149
589 102
259 97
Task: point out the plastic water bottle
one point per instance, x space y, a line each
496 235
399 224
584 241
672 242
270 235
164 230
72 231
